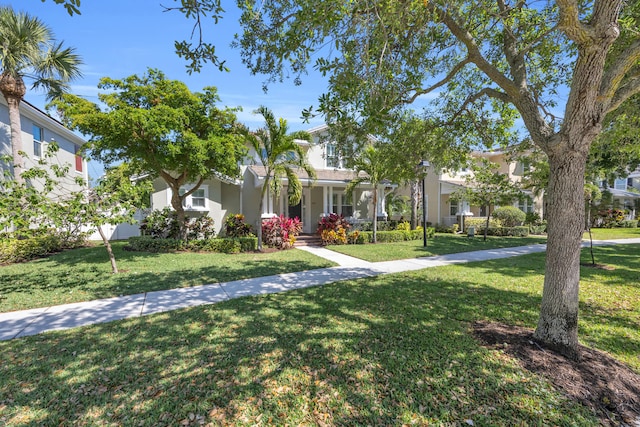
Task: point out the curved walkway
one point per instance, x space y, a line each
30 322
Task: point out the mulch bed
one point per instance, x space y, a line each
608 387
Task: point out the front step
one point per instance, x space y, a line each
308 240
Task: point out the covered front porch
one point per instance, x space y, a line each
326 195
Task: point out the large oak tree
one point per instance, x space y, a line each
563 65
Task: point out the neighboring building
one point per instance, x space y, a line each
441 184
38 131
625 193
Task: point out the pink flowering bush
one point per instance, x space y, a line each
280 232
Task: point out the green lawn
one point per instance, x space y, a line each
85 274
613 233
389 350
440 245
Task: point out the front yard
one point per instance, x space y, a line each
85 274
440 245
389 350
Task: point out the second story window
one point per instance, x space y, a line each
38 137
333 159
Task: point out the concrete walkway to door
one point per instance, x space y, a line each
30 322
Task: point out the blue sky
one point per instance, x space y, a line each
118 38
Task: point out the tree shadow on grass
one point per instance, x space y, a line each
63 279
382 351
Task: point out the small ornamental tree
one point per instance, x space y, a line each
161 129
487 187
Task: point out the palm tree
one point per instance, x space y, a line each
281 156
29 51
372 163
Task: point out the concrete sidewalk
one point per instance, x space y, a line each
30 322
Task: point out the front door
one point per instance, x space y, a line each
296 211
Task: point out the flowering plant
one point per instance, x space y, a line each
280 232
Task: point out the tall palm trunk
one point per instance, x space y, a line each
375 214
14 90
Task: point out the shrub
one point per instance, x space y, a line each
163 224
481 222
20 250
452 229
280 232
332 222
520 231
509 216
222 245
235 226
334 237
538 229
610 218
403 226
152 244
392 236
629 223
533 218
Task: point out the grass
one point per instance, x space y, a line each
440 245
389 350
85 274
613 233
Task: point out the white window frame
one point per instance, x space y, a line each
453 204
526 205
37 142
332 159
188 202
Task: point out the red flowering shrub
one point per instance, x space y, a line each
610 218
280 232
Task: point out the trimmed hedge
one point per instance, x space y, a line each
520 231
222 245
394 236
629 223
20 250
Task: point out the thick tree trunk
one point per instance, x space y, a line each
107 244
176 203
558 322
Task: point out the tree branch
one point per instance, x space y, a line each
442 82
473 52
632 87
614 76
570 23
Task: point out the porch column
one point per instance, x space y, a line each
330 200
325 205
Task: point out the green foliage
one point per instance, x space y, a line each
450 229
161 129
486 186
629 223
235 226
163 224
394 236
509 216
518 231
481 222
14 250
221 245
281 156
